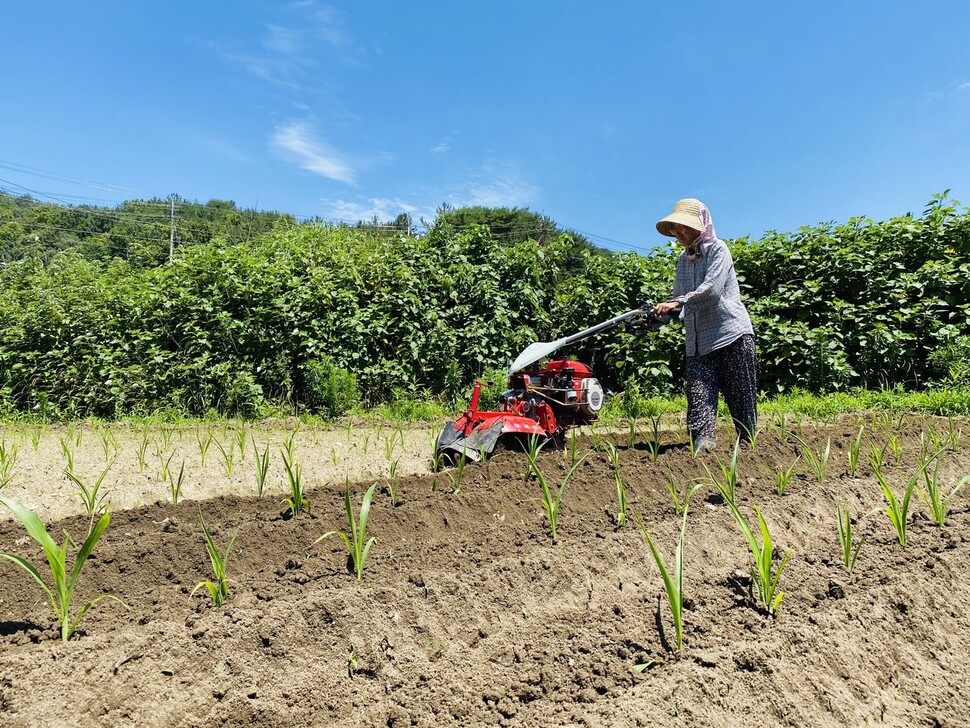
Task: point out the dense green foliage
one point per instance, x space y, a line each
321 317
138 231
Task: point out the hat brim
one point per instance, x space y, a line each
664 226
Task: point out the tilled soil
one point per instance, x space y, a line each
469 613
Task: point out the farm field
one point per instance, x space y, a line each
468 612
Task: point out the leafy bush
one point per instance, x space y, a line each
329 390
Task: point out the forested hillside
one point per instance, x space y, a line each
257 309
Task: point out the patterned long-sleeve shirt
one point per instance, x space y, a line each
713 314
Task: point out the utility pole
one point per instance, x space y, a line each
171 233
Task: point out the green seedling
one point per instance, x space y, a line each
35 435
458 473
729 473
262 467
781 425
108 441
764 576
614 456
165 473
297 502
289 444
783 476
938 504
204 440
228 457
61 593
218 589
549 503
680 501
854 449
952 434
534 445
393 482
572 447
355 539
389 444
68 452
166 435
877 457
175 484
653 444
673 582
898 510
753 436
240 439
850 548
896 448
142 447
91 497
817 462
8 459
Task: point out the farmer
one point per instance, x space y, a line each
719 337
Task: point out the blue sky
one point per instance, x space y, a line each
600 115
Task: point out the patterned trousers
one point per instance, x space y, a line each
733 371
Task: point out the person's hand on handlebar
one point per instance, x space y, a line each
666 308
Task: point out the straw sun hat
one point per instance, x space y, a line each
686 212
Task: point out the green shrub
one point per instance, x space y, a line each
329 391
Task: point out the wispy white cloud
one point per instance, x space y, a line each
298 143
443 146
383 208
497 185
952 90
285 41
289 50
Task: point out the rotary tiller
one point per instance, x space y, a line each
546 401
